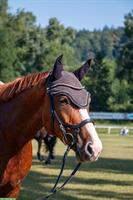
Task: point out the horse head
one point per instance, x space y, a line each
69 108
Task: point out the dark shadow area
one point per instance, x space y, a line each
124 166
40 189
35 186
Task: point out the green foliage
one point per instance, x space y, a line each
124 71
3 11
125 61
7 55
99 81
7 47
96 41
54 30
120 99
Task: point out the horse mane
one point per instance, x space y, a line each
9 90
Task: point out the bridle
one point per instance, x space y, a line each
66 135
63 126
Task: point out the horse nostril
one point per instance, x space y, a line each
88 149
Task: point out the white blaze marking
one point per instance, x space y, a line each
89 126
96 142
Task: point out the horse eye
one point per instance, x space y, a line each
64 101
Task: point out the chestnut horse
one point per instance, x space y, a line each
25 107
49 141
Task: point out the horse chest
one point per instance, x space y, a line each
14 169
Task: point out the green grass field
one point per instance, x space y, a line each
111 177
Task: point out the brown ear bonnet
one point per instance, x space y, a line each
71 87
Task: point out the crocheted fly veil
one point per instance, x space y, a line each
71 87
61 82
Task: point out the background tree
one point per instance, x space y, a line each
124 71
99 81
7 47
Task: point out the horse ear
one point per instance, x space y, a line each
80 73
58 68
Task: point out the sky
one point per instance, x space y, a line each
79 14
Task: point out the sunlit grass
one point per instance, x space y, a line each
110 178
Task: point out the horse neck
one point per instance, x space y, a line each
23 115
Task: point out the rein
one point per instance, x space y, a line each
75 130
56 189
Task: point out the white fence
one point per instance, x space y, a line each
110 127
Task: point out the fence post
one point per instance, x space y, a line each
109 130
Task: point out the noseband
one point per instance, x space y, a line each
75 129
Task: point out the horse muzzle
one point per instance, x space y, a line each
89 152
